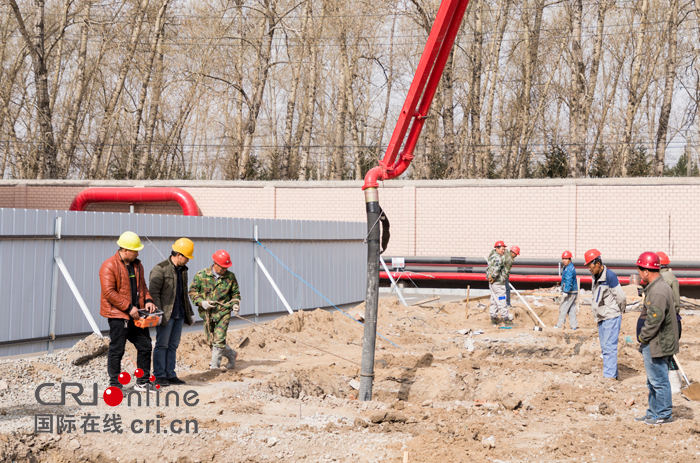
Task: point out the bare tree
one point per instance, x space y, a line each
47 165
669 81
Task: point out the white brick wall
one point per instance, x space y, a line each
620 217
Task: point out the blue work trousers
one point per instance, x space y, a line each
165 352
660 395
608 334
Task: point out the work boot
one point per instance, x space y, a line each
508 322
216 353
495 321
231 355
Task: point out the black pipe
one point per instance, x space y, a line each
465 261
372 300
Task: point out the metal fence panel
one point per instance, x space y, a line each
330 256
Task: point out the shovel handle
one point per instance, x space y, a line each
681 368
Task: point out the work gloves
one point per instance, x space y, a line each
207 305
236 308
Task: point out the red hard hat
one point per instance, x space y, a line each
499 244
591 255
516 250
649 260
566 255
663 258
222 258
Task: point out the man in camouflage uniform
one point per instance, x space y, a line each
215 292
496 273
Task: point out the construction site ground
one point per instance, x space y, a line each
504 395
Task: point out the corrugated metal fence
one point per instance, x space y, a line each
331 256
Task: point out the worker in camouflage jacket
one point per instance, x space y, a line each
496 273
215 292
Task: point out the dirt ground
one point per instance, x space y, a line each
505 395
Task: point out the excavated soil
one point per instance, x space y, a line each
504 395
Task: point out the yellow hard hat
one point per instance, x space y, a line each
131 241
184 247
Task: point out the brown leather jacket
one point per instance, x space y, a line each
115 295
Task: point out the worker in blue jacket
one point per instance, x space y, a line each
569 289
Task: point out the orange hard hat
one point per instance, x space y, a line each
222 258
566 255
591 255
516 250
663 258
649 260
499 244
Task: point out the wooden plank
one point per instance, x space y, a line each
425 301
466 314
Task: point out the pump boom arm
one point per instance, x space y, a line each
420 94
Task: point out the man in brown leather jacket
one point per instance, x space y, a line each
123 293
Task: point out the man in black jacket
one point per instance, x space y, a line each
168 287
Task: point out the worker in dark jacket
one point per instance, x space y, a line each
569 290
168 286
123 293
657 332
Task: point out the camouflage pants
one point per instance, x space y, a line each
216 326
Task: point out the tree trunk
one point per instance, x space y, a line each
493 71
133 146
338 159
116 93
583 89
308 108
669 78
481 168
46 167
532 39
289 162
633 97
261 69
70 134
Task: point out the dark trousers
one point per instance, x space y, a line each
120 331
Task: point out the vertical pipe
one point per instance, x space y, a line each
255 274
54 284
372 300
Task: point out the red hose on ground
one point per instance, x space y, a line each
135 195
513 278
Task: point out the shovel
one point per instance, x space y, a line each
692 391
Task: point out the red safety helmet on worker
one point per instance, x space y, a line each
566 255
222 258
499 244
515 249
649 260
663 259
591 255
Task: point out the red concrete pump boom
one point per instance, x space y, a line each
420 94
413 114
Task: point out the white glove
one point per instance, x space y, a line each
236 308
207 305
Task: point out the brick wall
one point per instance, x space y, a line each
620 217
